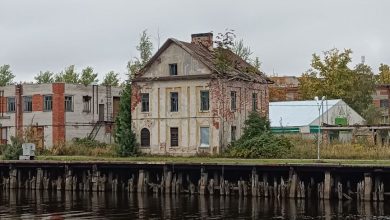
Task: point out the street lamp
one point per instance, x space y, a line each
319 105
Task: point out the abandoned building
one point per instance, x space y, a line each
58 112
182 104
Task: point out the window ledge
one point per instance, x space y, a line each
5 117
204 146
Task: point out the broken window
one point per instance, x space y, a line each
233 100
204 100
233 133
27 103
47 103
173 69
11 104
204 137
384 103
145 102
174 137
86 103
145 137
254 101
174 102
69 103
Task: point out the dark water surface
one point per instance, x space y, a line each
37 205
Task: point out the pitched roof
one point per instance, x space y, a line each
240 71
296 113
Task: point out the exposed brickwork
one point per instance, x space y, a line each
3 103
58 113
19 111
37 103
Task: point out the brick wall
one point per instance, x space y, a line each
58 113
37 103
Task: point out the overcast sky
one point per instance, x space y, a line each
44 35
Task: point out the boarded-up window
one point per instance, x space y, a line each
384 103
174 137
204 136
204 100
145 137
145 102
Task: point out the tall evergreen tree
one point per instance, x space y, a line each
124 135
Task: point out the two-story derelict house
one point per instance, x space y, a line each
183 105
56 113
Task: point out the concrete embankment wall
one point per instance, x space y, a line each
321 181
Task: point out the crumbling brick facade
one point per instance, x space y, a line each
182 106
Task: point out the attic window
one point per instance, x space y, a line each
173 69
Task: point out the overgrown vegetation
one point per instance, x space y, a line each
14 150
82 147
257 141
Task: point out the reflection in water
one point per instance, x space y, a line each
39 204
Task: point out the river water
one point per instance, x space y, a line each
68 205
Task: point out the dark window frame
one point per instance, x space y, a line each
254 101
174 100
27 103
47 103
204 100
233 100
173 69
67 102
233 133
174 136
145 103
9 106
145 137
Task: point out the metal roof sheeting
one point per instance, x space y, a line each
297 113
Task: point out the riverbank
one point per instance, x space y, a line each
213 160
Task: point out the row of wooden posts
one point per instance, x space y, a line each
171 182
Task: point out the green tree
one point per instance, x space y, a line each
111 79
88 77
44 77
145 49
372 114
67 76
384 74
333 78
258 141
124 135
6 75
242 51
256 63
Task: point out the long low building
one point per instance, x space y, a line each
304 117
58 112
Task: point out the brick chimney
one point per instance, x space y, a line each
204 39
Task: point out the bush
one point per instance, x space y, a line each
14 150
264 145
257 141
83 147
